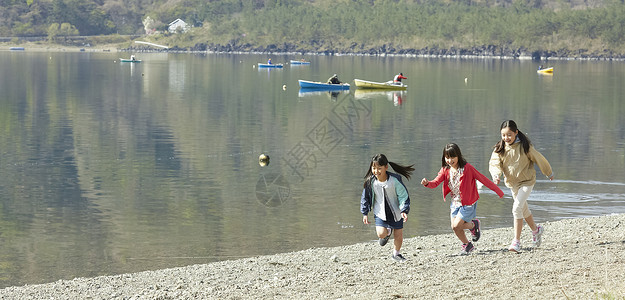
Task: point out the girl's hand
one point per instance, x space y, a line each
551 178
496 180
365 219
405 216
424 182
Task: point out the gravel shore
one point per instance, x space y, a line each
578 259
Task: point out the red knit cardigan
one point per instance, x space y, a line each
468 187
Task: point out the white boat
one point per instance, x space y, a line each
299 62
389 85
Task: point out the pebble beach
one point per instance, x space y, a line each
578 259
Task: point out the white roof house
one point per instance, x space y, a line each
178 23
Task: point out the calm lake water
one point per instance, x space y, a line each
112 167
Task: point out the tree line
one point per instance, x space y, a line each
533 24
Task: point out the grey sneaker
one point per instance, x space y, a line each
476 231
466 249
538 235
385 240
399 258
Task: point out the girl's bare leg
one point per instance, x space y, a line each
382 232
459 225
518 226
398 238
530 221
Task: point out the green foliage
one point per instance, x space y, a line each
56 30
23 29
535 24
67 29
53 31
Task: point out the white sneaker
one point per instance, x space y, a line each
537 236
515 246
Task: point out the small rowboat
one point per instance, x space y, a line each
299 62
546 71
305 84
389 85
261 65
129 60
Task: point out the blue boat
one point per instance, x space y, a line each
261 65
129 60
305 84
16 48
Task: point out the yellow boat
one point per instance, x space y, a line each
389 85
545 70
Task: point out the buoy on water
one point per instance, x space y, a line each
263 160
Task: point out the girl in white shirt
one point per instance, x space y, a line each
386 195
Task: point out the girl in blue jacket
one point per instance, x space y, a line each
386 195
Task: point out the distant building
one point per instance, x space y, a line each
178 24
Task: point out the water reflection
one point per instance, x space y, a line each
332 94
397 97
109 169
177 75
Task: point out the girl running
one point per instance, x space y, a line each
459 178
386 195
514 157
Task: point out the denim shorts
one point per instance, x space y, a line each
390 223
465 212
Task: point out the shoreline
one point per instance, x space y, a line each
391 55
578 259
423 53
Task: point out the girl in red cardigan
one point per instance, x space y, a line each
459 179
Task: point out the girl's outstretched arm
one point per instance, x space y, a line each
541 161
440 177
489 184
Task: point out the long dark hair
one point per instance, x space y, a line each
452 150
381 160
501 145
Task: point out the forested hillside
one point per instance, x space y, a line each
343 25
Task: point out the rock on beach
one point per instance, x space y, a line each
578 259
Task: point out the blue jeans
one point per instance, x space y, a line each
390 223
465 212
